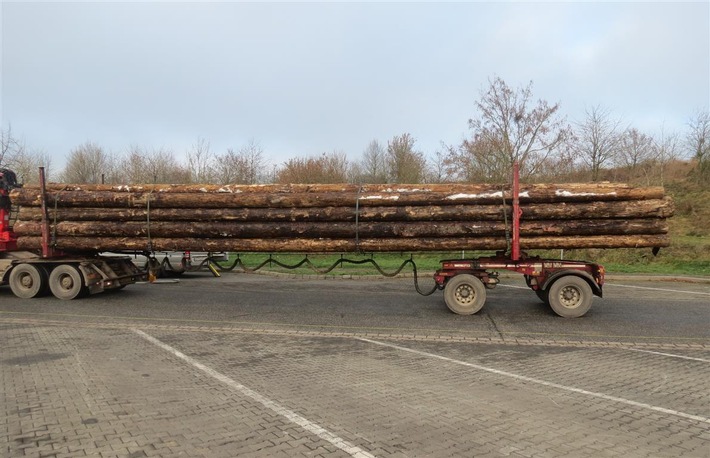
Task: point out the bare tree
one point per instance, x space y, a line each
698 141
510 127
199 161
87 163
404 163
471 161
667 151
10 146
636 154
597 139
26 164
373 167
437 171
245 166
154 166
560 168
327 168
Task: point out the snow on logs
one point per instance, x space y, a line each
341 218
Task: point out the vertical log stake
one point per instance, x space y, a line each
517 212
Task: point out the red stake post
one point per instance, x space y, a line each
46 249
517 213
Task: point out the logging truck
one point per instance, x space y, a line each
67 275
150 216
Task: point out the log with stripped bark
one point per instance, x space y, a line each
321 245
337 230
395 197
627 209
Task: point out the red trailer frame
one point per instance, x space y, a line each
567 286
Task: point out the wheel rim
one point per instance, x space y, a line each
66 282
465 294
570 296
26 280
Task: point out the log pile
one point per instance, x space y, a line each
341 218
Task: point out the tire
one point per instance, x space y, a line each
66 282
570 296
28 281
543 295
465 294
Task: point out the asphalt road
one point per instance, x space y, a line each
257 365
668 312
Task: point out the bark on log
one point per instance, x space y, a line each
104 199
657 208
342 246
452 188
321 218
342 230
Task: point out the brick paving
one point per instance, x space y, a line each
88 389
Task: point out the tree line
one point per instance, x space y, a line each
509 125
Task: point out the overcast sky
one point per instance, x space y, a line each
307 78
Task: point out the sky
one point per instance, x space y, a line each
301 79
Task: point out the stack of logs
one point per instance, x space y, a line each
341 218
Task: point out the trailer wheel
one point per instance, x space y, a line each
28 281
66 282
464 294
570 296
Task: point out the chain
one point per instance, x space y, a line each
238 263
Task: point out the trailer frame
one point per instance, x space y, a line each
566 286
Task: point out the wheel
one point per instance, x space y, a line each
543 295
570 296
66 282
28 281
464 294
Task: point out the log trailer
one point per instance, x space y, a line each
67 275
566 286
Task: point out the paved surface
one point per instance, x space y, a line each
255 366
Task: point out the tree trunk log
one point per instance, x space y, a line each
342 230
293 245
107 199
657 208
444 188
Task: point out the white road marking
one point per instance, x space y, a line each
292 416
671 355
658 289
543 382
629 286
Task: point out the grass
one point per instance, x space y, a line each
339 265
670 261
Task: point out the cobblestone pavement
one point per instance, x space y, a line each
138 388
112 392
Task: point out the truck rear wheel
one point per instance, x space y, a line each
66 282
570 296
28 280
465 294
